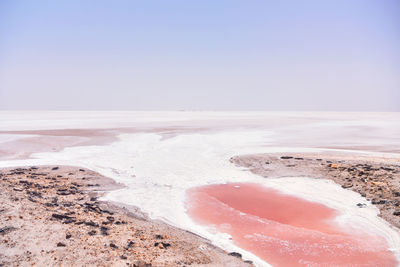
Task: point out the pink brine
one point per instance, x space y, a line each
284 230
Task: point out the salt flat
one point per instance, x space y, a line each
159 155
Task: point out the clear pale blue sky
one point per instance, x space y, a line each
200 54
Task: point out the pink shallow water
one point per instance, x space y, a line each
284 230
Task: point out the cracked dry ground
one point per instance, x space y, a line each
50 216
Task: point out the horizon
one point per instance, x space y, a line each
188 110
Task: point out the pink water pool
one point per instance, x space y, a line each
284 230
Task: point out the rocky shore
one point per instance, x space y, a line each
51 216
376 179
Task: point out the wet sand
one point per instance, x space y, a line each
51 216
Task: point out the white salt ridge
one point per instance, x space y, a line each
157 172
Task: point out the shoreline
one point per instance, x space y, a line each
376 179
60 203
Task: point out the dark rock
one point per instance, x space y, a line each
299 158
130 244
361 205
55 168
93 232
378 201
92 207
60 244
347 185
93 185
69 221
39 174
7 229
112 245
162 244
165 244
123 257
81 170
110 218
34 193
31 199
60 216
140 263
396 213
68 236
67 204
286 157
104 230
159 237
91 223
63 192
235 254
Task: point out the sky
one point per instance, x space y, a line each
309 55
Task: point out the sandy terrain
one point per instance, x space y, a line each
50 216
376 179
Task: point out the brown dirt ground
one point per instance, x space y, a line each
51 216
